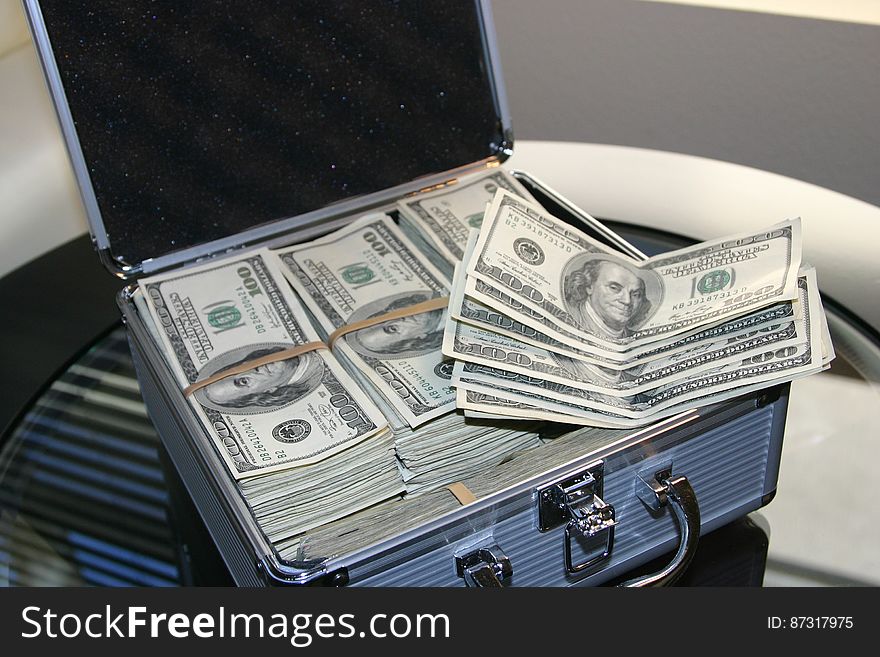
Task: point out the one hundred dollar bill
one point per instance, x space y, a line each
272 417
483 400
493 404
367 269
581 288
448 215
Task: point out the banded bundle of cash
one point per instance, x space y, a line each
304 442
546 323
363 284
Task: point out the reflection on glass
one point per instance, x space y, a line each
82 497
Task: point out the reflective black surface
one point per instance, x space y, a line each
52 309
199 120
83 499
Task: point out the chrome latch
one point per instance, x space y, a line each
485 566
575 500
592 518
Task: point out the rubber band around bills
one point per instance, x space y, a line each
298 350
415 309
241 368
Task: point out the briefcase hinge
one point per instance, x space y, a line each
433 188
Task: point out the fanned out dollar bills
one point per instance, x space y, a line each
545 323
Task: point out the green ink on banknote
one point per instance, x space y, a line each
714 281
357 274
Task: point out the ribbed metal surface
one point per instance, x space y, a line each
83 497
725 465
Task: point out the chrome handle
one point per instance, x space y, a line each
678 491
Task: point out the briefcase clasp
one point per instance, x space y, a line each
575 500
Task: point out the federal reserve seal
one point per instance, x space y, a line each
528 251
444 370
292 431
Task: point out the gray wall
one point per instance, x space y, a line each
795 96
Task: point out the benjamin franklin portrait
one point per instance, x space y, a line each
264 388
609 298
406 337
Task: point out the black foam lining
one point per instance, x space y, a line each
198 120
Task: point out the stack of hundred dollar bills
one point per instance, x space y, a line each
546 323
439 222
370 269
303 440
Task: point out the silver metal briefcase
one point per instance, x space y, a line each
194 136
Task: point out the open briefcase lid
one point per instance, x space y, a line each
196 128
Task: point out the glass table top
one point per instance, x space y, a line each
84 499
